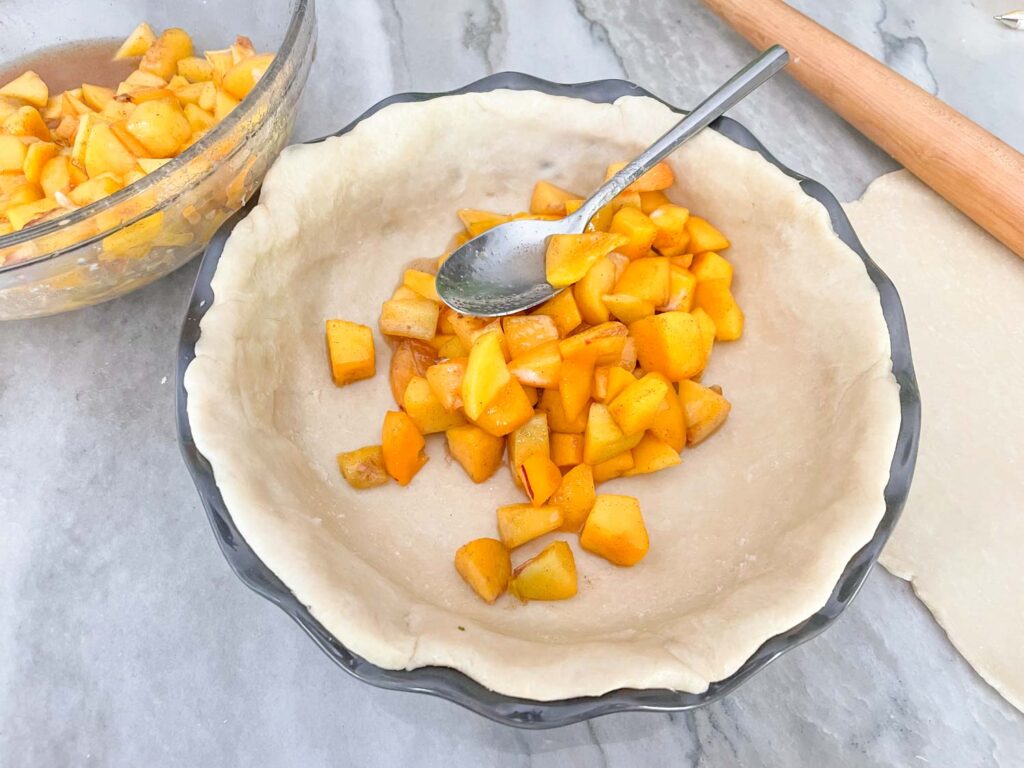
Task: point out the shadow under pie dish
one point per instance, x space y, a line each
757 541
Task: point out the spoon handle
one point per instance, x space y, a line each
738 86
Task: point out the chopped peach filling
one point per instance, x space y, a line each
65 141
598 383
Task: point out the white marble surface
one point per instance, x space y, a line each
125 640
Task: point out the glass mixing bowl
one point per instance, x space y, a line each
155 225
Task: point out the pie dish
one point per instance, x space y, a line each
757 543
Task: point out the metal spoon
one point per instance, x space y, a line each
502 270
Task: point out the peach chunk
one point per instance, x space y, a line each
607 340
403 292
590 290
133 145
486 374
627 359
476 450
599 222
562 309
409 318
426 409
577 378
669 343
55 176
682 286
39 153
715 298
221 61
445 380
627 199
510 409
637 230
161 58
12 154
520 523
477 222
484 564
19 216
28 87
402 446
710 266
363 467
195 69
469 329
648 279
551 575
614 467
704 237
137 43
575 497
683 260
635 407
79 137
139 81
669 424
96 96
705 408
627 308
540 477
652 454
603 439
707 331
672 238
105 153
525 332
551 404
410 358
651 201
350 349
568 257
223 105
566 450
449 347
549 199
609 380
530 439
244 75
532 395
423 283
539 367
658 178
94 189
26 121
615 530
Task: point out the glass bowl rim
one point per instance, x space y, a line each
455 686
245 109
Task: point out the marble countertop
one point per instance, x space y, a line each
125 639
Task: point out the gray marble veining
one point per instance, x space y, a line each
126 641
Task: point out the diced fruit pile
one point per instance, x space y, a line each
600 382
59 152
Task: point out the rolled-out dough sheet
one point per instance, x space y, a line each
960 541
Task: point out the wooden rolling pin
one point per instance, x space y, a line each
967 165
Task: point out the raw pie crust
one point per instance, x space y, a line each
960 538
748 536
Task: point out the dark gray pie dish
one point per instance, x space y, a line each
453 685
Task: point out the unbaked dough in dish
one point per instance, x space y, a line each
748 536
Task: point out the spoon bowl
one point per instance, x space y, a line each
502 270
